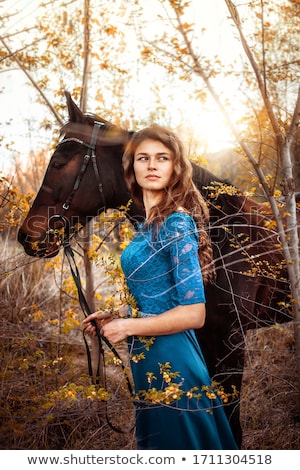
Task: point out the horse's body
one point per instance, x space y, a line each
250 278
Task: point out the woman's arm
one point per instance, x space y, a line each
180 318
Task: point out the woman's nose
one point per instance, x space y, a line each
151 164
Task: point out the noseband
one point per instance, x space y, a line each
89 156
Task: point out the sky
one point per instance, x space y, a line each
17 102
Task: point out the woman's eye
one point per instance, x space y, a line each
163 158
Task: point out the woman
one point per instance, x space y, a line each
165 266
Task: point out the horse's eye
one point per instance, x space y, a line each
57 164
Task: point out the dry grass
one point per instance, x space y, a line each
30 372
269 413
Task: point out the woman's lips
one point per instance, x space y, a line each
152 177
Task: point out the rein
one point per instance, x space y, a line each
86 310
89 156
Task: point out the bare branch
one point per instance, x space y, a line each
262 86
33 82
295 118
13 54
263 47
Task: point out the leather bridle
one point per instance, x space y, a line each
90 155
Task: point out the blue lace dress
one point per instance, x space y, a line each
177 407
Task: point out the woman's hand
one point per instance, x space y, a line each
100 318
114 329
175 320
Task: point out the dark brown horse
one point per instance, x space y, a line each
85 177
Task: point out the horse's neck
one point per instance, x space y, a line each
222 203
203 177
259 213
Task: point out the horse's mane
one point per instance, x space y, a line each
217 192
110 135
203 177
91 118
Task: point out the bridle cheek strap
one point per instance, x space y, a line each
90 155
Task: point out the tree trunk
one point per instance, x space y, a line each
292 240
96 356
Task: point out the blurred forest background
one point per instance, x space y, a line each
225 77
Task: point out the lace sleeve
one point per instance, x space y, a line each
181 239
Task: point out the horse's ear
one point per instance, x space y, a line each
75 115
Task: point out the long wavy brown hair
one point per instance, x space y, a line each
181 193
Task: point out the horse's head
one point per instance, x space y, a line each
84 177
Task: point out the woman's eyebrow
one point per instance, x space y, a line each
157 153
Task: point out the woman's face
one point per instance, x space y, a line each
153 165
